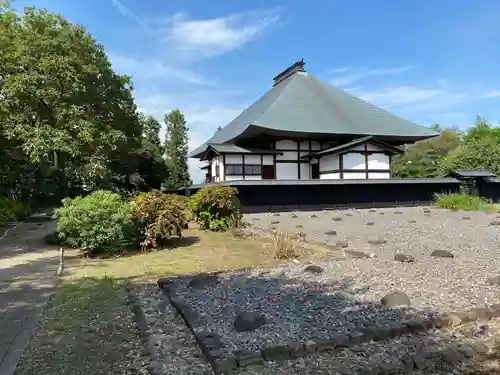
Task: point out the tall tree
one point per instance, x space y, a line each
61 104
176 149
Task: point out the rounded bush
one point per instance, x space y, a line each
158 217
216 208
100 222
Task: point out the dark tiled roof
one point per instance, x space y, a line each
360 141
303 103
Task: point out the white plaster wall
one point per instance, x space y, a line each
253 178
304 153
316 146
378 161
286 171
358 148
328 163
354 161
234 159
355 175
379 175
234 178
304 145
252 159
287 155
286 145
329 176
213 163
268 160
305 169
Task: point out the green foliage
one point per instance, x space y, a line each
176 149
423 158
100 222
53 238
159 217
465 202
11 211
216 208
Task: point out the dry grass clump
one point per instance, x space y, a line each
286 245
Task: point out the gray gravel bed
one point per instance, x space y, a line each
297 307
172 345
431 283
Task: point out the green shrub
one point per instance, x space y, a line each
216 208
100 222
159 217
53 238
11 211
465 202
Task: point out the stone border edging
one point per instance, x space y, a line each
211 344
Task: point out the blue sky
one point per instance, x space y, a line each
428 61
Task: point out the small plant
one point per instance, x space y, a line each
465 202
98 223
216 208
159 217
11 211
285 245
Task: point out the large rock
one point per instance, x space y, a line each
396 299
442 254
404 258
249 321
342 244
494 280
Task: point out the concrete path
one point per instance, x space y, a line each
27 270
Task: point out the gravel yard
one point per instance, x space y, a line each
345 297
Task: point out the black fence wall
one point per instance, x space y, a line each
307 195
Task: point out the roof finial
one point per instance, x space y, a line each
291 70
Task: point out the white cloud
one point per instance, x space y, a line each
155 69
216 36
492 94
354 74
400 95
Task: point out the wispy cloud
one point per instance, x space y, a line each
155 69
216 36
400 95
128 13
492 94
353 74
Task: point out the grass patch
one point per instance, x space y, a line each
88 328
464 202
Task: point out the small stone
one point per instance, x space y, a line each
370 223
255 219
342 244
404 258
378 241
427 211
313 216
396 299
442 254
359 254
382 213
336 218
294 216
301 235
372 210
249 321
348 214
465 217
313 268
299 226
452 355
466 350
412 221
246 357
276 352
495 223
331 233
275 222
398 213
277 214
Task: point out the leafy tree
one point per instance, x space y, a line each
153 168
66 116
422 159
176 149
